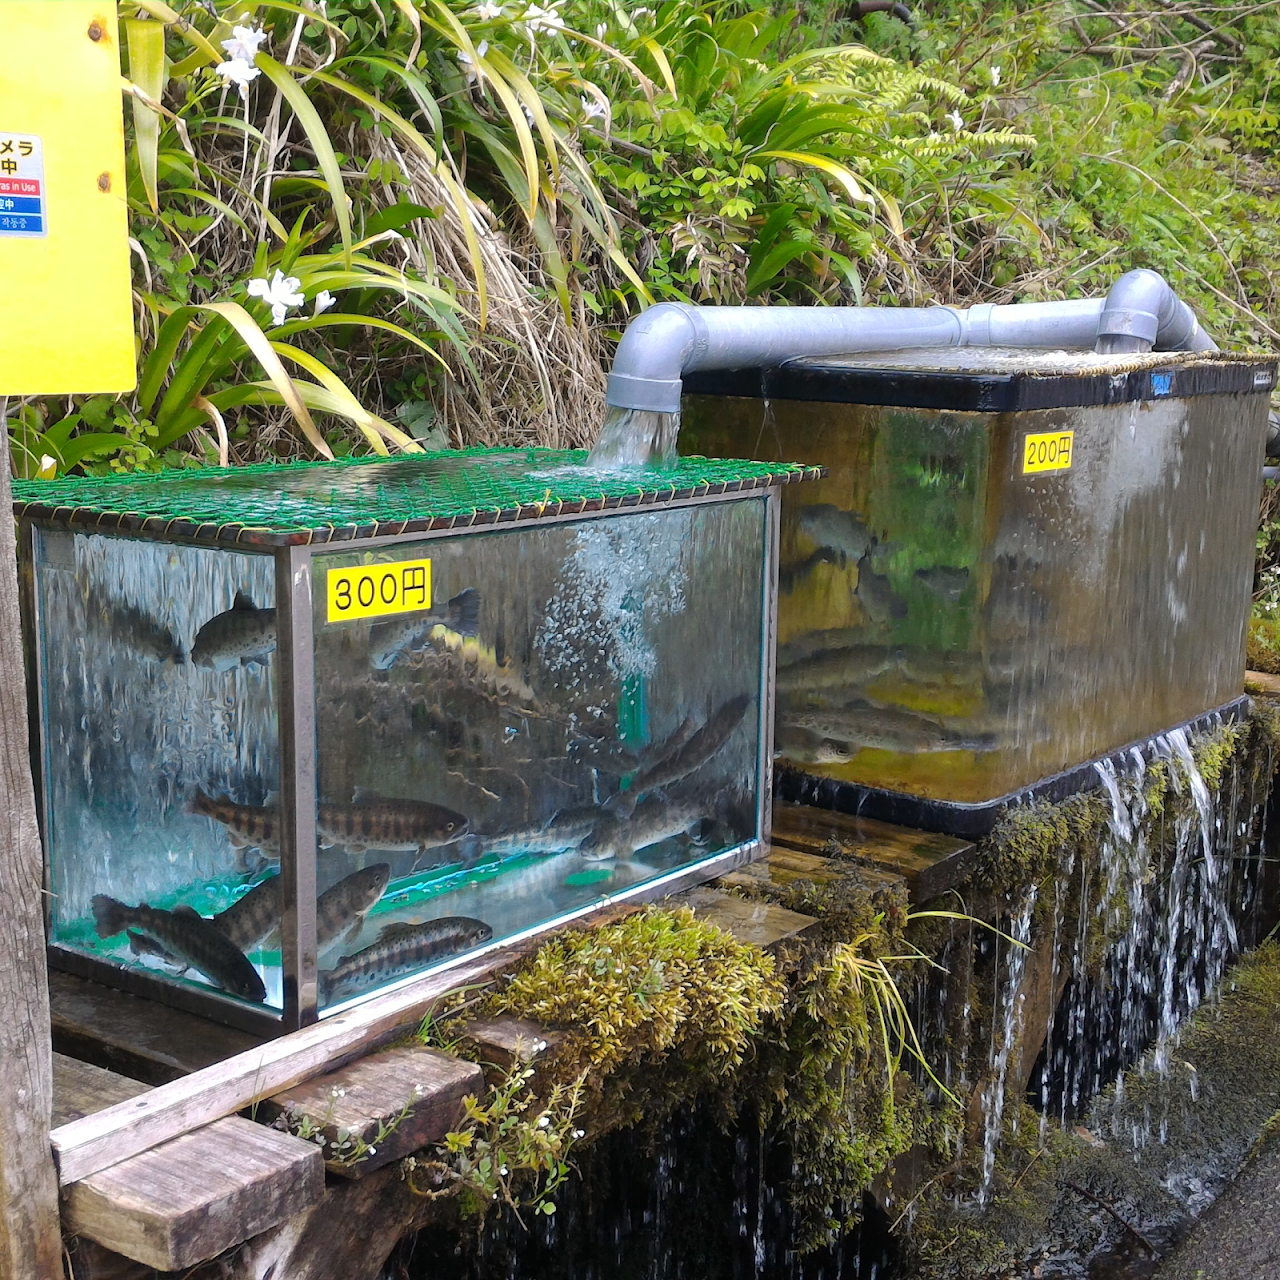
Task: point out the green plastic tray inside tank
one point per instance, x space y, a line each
274 505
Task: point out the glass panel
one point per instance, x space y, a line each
161 752
574 714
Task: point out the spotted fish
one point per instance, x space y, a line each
399 949
186 936
242 635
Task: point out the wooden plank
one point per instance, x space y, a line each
929 863
135 1037
503 1043
413 1091
762 923
783 868
80 1089
191 1198
84 1147
1262 683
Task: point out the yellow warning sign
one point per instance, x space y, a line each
66 321
379 590
1048 451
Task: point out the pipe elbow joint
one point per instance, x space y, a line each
1142 313
648 370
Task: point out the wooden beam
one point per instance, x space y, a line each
139 1038
80 1089
414 1092
30 1241
504 1042
190 1199
931 864
85 1147
762 923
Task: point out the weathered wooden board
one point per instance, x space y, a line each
503 1043
83 1147
782 868
138 1038
189 1199
761 923
929 863
80 1089
414 1091
1262 684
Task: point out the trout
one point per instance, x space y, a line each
188 938
399 949
691 754
340 909
248 826
388 641
653 821
374 821
242 635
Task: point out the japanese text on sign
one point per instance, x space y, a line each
1050 451
22 211
378 590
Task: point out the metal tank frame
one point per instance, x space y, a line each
298 788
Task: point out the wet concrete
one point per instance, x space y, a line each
1239 1237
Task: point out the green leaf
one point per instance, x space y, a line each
145 39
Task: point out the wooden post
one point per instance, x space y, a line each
30 1240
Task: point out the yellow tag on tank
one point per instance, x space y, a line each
379 590
1049 451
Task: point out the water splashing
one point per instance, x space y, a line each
636 438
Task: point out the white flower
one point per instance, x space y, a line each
602 30
995 77
579 1133
322 302
957 121
543 1121
536 18
243 45
373 1151
639 13
48 467
487 11
238 72
590 108
464 58
282 293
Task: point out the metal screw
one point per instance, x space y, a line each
95 31
104 182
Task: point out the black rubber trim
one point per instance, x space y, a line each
813 380
971 820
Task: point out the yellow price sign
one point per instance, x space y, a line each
379 590
1048 451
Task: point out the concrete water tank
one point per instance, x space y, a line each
1021 562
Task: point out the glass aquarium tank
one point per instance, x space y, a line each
307 731
1018 563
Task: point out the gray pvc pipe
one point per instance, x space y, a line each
671 339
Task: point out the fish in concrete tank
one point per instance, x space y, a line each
791 575
836 668
248 826
242 635
389 641
944 581
399 949
375 821
186 936
340 909
837 530
692 752
882 604
653 820
861 726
